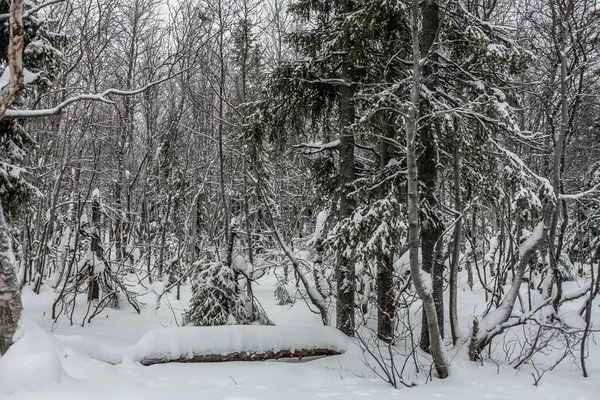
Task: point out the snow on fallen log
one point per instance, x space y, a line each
236 343
224 343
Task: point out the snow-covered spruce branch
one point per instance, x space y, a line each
33 10
518 161
329 81
102 97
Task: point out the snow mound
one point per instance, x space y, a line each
32 362
30 371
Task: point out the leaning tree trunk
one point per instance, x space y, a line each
419 277
10 293
492 324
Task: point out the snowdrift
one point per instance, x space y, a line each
34 361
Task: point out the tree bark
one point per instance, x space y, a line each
345 271
226 219
454 328
559 146
432 229
15 56
95 248
10 293
385 266
244 356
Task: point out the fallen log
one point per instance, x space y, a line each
221 344
244 356
236 343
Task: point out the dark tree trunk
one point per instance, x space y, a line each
94 287
431 229
386 308
345 271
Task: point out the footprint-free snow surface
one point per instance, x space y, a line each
67 361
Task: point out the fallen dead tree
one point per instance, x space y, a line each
245 356
221 344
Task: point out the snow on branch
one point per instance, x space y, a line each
102 97
314 148
33 10
492 324
580 195
532 240
518 161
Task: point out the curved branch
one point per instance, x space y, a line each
102 97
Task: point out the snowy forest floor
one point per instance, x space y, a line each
52 361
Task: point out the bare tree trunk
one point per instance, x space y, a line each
473 248
588 318
418 276
10 293
385 299
49 227
559 146
163 231
454 328
226 219
94 287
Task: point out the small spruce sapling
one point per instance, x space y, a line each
281 293
215 299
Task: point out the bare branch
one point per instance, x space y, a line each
33 10
102 97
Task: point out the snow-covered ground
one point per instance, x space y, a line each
61 361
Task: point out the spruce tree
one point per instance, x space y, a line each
216 299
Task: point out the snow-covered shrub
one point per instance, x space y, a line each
216 299
281 294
